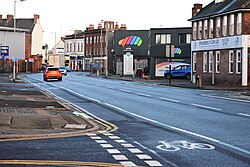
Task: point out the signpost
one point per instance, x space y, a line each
14 59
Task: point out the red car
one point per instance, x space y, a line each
52 73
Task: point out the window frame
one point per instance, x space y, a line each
231 24
218 26
205 29
211 28
194 61
195 30
224 27
204 62
217 60
200 30
210 56
230 61
238 62
239 23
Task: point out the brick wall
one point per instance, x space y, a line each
246 23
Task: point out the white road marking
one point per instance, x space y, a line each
143 156
153 163
114 137
113 151
108 134
120 141
128 145
181 130
106 145
95 138
120 157
127 163
124 90
101 141
142 94
206 107
135 150
90 134
244 114
226 98
81 114
167 99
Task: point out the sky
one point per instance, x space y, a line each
61 17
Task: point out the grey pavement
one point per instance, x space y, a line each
26 112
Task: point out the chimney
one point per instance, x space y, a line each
196 9
36 18
62 39
116 26
10 17
123 27
91 27
1 16
99 26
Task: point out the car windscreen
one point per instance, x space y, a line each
52 69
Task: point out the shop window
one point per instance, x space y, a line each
205 62
184 38
231 61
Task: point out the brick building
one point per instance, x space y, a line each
33 42
221 42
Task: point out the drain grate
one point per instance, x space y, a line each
18 110
60 113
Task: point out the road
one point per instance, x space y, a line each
157 125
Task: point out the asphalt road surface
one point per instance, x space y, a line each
157 126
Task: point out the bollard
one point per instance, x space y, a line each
97 73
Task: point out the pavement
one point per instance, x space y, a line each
26 112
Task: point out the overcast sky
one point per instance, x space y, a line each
63 16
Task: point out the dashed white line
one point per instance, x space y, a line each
114 137
142 94
106 145
128 145
135 150
206 107
143 156
124 90
167 99
153 163
101 141
113 151
90 134
127 163
120 141
247 115
95 138
226 98
120 157
108 134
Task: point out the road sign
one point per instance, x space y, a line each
4 52
14 59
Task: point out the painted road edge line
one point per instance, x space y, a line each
247 115
206 107
171 100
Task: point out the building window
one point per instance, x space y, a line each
210 62
224 29
218 27
194 30
200 30
211 28
67 47
87 40
205 29
163 38
238 62
205 62
231 26
239 23
231 61
194 62
70 47
184 38
217 70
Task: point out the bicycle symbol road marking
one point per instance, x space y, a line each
177 145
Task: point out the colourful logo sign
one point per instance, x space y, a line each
177 51
131 40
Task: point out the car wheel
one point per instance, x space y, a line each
188 76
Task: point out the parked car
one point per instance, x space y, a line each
52 73
179 71
63 70
67 68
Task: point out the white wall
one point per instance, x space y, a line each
7 39
37 39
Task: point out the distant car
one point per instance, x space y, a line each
63 70
52 73
68 69
179 71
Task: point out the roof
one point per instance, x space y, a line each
20 23
226 6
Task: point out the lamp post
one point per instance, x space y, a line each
14 49
101 46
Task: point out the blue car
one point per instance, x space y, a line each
179 71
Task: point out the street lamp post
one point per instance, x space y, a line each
101 46
14 50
